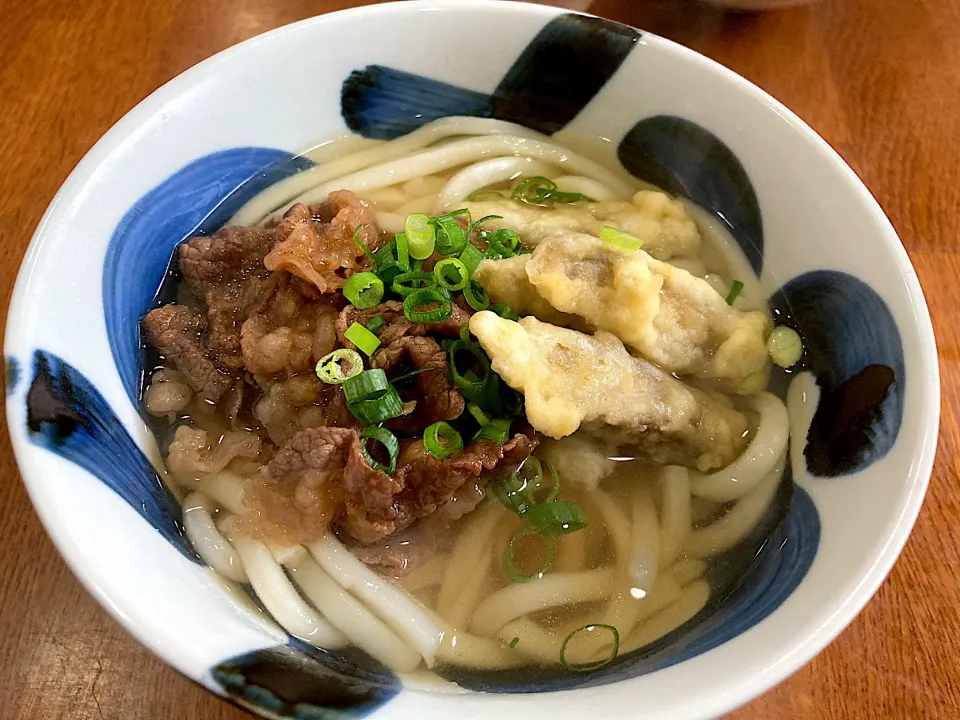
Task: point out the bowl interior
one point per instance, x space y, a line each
187 157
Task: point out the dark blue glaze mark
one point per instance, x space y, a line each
688 160
852 345
561 71
298 681
195 200
554 78
11 374
768 565
383 103
69 417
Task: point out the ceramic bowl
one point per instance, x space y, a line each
188 156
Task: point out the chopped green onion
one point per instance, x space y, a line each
497 430
502 244
735 291
512 492
543 191
409 282
447 267
432 436
368 385
504 311
470 388
530 476
376 323
333 368
425 296
620 239
482 220
421 236
509 559
556 518
365 340
554 481
403 249
471 258
385 438
587 667
361 244
451 239
476 296
477 413
376 410
363 290
513 643
785 346
387 263
477 194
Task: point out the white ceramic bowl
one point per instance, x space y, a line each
190 153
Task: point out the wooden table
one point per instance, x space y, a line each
879 79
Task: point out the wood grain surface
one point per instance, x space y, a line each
879 79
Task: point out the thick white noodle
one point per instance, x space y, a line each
390 222
486 173
353 159
427 575
735 524
390 603
423 204
466 650
458 153
364 629
645 550
214 549
755 462
803 396
669 619
467 554
226 488
547 592
281 598
687 570
469 596
675 513
589 187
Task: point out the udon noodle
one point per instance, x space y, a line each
657 506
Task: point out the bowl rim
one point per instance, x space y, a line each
845 607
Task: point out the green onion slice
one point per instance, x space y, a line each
432 440
451 274
333 368
389 442
387 263
513 643
482 220
785 346
403 249
365 340
556 518
497 430
472 388
476 195
471 258
476 296
476 412
587 667
363 290
426 296
361 244
376 324
554 480
543 191
421 236
451 239
620 239
509 555
511 491
408 283
735 291
504 311
376 410
368 385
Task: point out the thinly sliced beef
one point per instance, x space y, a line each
322 475
324 253
226 272
434 392
292 328
397 324
175 330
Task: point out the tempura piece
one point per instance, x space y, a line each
659 220
662 312
570 379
